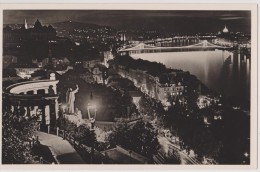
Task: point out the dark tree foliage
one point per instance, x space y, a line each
85 136
224 140
141 137
108 100
16 132
81 133
153 68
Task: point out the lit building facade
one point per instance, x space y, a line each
206 101
107 56
37 33
24 70
151 85
89 64
9 59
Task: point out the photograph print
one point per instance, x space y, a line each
126 87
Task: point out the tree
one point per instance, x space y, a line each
144 138
17 130
172 158
141 137
119 135
85 136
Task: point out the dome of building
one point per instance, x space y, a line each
225 30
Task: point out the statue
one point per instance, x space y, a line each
51 91
70 99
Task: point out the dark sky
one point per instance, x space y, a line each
174 21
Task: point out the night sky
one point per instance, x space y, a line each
170 21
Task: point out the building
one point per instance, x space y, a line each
64 61
35 99
37 33
206 101
154 86
89 64
15 40
9 59
165 91
10 75
61 61
24 70
98 74
45 61
38 63
107 56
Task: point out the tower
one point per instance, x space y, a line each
25 24
225 30
124 38
37 24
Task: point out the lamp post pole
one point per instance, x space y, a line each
92 130
92 121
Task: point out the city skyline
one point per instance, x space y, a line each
168 21
127 87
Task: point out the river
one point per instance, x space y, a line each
226 72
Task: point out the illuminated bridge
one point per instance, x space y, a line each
144 48
182 40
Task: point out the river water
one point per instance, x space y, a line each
226 72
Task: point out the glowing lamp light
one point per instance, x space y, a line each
92 106
246 154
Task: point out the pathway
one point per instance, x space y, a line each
61 149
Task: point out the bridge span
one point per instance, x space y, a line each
144 48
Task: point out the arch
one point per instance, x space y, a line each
31 86
35 94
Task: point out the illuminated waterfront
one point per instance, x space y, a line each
223 71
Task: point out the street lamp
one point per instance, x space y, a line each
92 118
90 107
92 130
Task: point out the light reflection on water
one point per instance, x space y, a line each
225 72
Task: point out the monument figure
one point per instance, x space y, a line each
70 99
51 91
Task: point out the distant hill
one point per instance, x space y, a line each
71 25
72 28
68 26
